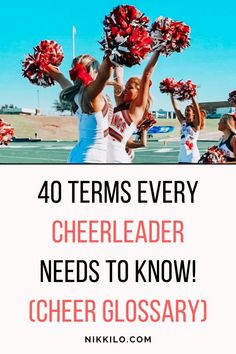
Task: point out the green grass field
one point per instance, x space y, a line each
65 130
57 152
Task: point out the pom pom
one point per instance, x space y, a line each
232 97
6 133
213 155
34 67
185 90
51 51
126 39
169 36
169 85
147 122
180 89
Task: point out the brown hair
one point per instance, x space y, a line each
202 116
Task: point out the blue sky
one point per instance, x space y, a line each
209 62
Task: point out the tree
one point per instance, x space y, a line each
5 107
62 107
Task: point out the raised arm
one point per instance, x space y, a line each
178 113
138 106
96 87
142 98
56 75
203 119
197 116
118 76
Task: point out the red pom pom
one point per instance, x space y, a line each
186 90
213 155
169 85
147 122
6 133
232 97
34 67
126 40
169 36
181 90
51 51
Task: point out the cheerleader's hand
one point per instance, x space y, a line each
142 128
146 124
53 72
57 76
118 88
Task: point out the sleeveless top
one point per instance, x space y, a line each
189 152
120 130
93 134
227 148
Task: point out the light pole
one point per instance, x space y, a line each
37 111
73 41
38 105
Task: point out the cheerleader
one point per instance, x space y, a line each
132 103
228 141
93 109
191 124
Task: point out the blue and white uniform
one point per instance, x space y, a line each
121 129
189 152
227 148
93 134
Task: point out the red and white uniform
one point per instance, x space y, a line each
189 152
120 130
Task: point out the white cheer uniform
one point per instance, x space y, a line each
93 134
120 130
189 152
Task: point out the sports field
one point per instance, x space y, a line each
57 152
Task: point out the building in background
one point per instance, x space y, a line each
217 109
213 110
161 113
11 109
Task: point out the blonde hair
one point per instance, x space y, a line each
68 94
229 120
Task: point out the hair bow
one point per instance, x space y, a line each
79 72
